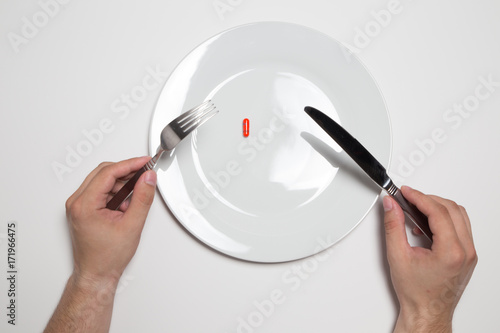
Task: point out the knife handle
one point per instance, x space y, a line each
413 213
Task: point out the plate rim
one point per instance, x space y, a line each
355 57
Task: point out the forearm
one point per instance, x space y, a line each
85 306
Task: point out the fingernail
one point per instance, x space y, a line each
150 178
387 203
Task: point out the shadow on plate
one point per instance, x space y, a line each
340 160
344 162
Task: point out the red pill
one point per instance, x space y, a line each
246 127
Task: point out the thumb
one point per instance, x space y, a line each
142 198
395 233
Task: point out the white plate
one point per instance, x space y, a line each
287 191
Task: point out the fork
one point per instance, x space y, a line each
171 135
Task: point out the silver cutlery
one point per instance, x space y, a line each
370 165
171 135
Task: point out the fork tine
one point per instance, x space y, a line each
201 120
181 126
191 112
171 135
193 119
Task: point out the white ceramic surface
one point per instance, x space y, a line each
287 191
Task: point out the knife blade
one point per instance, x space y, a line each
370 166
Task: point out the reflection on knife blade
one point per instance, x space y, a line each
370 165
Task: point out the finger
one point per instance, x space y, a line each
417 231
120 182
467 220
104 181
92 174
124 206
456 217
117 187
142 198
462 225
87 180
395 232
440 222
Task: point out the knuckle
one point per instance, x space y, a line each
74 211
435 197
389 229
104 168
452 204
472 257
391 223
442 210
147 198
145 195
68 203
456 258
103 165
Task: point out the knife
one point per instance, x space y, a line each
370 165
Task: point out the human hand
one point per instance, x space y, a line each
429 282
104 241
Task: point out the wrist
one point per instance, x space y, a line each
93 284
417 322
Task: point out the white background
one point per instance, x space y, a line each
64 79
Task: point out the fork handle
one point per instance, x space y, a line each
126 190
